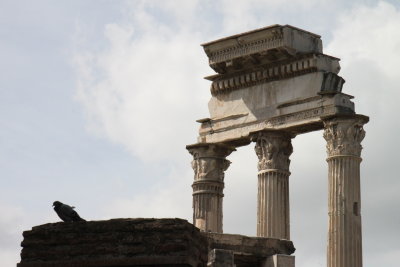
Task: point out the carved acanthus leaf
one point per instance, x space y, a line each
273 151
209 161
210 168
344 136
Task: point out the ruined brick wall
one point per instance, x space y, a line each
143 242
117 242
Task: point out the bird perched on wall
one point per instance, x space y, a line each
66 213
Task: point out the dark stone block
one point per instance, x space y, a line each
248 251
142 242
117 242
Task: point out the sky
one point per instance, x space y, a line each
98 100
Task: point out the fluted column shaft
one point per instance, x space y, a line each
344 136
273 150
209 164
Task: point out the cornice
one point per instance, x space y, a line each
272 40
269 44
266 73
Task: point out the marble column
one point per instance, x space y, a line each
343 136
209 164
273 149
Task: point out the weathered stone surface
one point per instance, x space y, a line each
258 246
279 261
260 46
220 258
295 104
249 251
209 164
279 70
273 149
117 242
271 78
142 242
343 136
277 80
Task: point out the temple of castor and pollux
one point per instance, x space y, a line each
271 84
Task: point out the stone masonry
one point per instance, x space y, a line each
344 136
143 242
117 242
272 84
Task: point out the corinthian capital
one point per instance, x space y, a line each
344 135
273 150
209 161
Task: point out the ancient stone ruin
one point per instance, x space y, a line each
271 84
118 242
142 242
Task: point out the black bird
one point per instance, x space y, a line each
66 213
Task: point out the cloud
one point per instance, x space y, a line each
165 200
145 90
240 16
368 33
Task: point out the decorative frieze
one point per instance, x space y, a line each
302 64
264 74
301 115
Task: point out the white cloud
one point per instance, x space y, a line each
369 33
239 16
165 200
145 91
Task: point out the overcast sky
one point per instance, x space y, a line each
99 98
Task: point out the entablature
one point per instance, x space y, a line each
225 83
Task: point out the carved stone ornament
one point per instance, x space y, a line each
209 161
210 168
273 150
344 136
266 73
